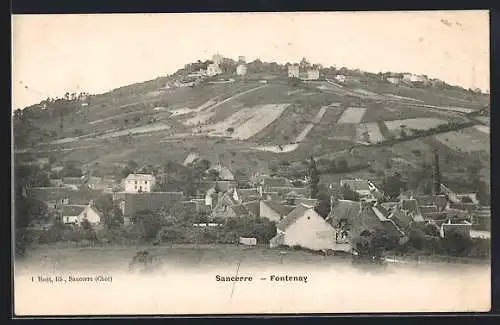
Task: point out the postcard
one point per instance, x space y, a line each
251 163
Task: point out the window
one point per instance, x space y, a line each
135 187
136 182
145 182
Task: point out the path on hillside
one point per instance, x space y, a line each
293 146
207 113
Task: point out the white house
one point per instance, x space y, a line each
340 78
293 71
75 214
213 69
135 183
304 227
407 77
394 80
241 70
418 78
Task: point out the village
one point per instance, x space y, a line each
357 212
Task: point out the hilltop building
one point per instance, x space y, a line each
213 70
241 69
294 71
241 59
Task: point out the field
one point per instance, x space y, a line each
352 115
248 122
466 140
416 123
368 133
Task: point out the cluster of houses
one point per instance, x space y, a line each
213 69
278 200
410 79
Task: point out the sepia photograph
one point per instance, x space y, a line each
251 163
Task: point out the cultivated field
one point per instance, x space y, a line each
368 133
483 128
416 123
352 115
248 121
466 140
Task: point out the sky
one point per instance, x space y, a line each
95 53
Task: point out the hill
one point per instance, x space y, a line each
262 121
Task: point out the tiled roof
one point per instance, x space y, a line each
293 216
248 194
439 200
409 205
308 202
73 180
140 177
240 210
48 194
276 182
359 219
463 206
253 207
73 210
279 208
425 209
135 202
285 190
356 184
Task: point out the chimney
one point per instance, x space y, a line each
437 174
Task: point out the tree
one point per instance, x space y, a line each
313 178
88 231
349 194
393 185
149 221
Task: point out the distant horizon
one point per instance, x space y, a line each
99 57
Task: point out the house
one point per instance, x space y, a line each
213 70
460 228
227 207
440 201
104 184
293 71
407 77
253 208
75 214
419 78
55 197
241 69
312 74
136 183
74 183
351 219
241 59
364 188
225 174
306 228
395 80
268 182
131 203
58 182
274 210
340 78
246 194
